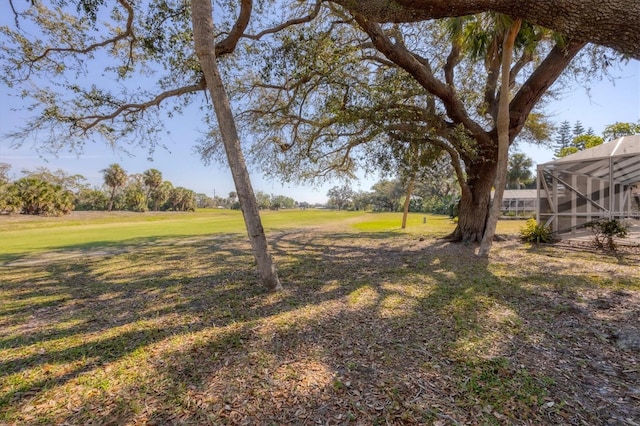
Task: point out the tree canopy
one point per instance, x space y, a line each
347 91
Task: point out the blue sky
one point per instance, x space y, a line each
607 102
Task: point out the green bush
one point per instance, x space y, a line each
532 232
605 230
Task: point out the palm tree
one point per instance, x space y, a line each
152 179
519 173
114 177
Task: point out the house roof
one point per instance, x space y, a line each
517 194
520 194
622 155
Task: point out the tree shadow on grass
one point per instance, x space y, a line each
368 329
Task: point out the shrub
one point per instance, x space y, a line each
532 232
605 230
39 197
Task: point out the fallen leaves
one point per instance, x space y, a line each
369 330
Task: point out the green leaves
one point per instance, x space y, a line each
604 232
532 232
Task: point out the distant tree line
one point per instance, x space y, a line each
388 195
53 193
435 192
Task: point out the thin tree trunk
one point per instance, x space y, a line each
113 195
502 125
407 200
203 34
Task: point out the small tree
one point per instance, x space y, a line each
604 232
387 195
91 199
161 195
519 173
264 200
578 129
152 180
182 199
10 201
135 197
580 143
115 178
340 197
619 129
563 136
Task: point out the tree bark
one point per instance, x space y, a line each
203 33
473 208
502 125
612 23
407 200
111 198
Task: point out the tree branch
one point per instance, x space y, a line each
423 75
611 23
539 82
296 21
110 41
88 122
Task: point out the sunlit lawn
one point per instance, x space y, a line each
92 229
158 319
97 229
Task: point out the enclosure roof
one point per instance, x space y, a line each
520 194
622 154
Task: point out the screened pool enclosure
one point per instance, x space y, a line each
600 182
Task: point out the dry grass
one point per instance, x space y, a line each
372 328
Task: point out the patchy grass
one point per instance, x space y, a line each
374 326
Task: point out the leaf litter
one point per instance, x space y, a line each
389 330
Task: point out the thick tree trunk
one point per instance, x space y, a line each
612 23
203 33
473 208
502 125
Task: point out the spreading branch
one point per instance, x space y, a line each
611 23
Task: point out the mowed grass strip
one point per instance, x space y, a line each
95 229
86 230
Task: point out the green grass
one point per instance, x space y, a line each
100 229
374 325
92 230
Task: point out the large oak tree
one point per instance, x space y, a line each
332 97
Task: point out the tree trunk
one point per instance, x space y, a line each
113 196
203 34
473 208
502 125
407 200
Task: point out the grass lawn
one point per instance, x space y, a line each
157 319
95 229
